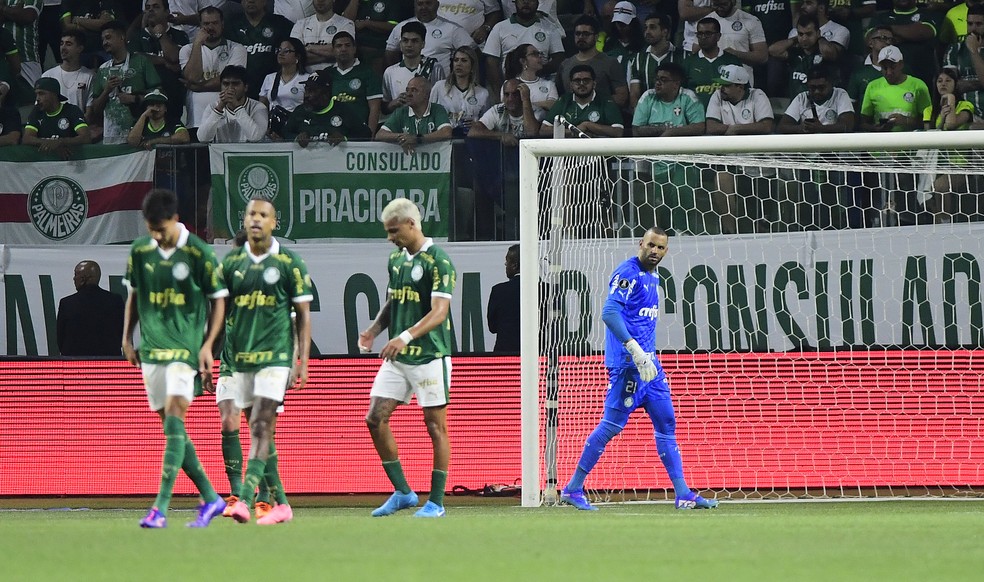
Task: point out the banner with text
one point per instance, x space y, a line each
92 198
911 287
325 192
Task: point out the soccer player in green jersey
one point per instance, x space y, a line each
231 411
173 276
417 357
265 281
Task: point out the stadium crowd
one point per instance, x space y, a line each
413 72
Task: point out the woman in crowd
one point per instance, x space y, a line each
525 63
283 90
948 112
461 94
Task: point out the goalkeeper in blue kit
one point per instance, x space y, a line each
636 378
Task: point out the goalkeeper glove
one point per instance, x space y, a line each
642 361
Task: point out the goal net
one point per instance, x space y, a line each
820 321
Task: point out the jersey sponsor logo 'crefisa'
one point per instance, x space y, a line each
57 206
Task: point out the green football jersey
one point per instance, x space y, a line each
259 331
413 281
172 290
703 74
362 83
65 122
261 42
26 35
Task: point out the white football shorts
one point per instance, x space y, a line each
431 382
163 380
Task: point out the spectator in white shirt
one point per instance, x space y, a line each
737 109
317 32
203 60
443 36
234 117
75 80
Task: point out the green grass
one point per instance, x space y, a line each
885 540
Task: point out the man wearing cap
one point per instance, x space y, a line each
742 34
323 117
894 102
609 74
53 125
153 126
703 67
736 109
418 122
234 118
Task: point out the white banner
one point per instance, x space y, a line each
908 286
92 199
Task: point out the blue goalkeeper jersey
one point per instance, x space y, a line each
635 292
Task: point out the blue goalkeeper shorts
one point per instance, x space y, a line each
626 391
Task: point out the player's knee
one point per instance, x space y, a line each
436 429
230 423
374 420
260 428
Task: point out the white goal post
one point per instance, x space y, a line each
554 247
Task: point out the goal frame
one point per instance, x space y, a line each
532 150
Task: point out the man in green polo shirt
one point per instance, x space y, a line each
419 121
322 117
583 109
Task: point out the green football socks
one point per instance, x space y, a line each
439 479
193 468
272 477
254 473
394 470
232 455
174 452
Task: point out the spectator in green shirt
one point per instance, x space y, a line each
418 122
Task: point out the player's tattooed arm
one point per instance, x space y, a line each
381 322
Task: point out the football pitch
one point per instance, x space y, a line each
497 540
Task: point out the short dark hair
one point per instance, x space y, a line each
674 69
76 35
159 205
663 19
585 20
343 34
114 25
233 72
820 71
807 20
707 20
975 9
414 27
581 69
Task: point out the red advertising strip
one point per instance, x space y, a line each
821 421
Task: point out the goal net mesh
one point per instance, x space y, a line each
820 320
